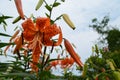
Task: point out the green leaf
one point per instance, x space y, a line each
4 26
5 17
4 23
56 4
16 28
63 0
53 60
3 34
5 44
47 15
1 51
94 20
48 8
2 19
17 74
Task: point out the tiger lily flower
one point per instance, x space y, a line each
54 63
67 62
40 33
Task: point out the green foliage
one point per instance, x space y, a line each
56 4
113 39
111 36
70 76
2 20
116 57
5 44
100 26
3 34
101 65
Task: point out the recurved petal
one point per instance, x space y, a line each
42 22
28 24
50 32
59 39
36 52
28 34
15 34
71 60
36 57
29 29
54 63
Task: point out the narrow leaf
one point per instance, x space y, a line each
48 8
56 4
53 60
6 17
5 44
17 74
47 15
4 26
3 34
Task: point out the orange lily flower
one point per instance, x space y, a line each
40 33
67 62
64 62
54 63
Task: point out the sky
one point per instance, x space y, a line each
81 12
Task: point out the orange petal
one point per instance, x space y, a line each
29 29
36 56
18 45
59 39
64 63
42 22
6 49
36 52
54 63
49 32
71 60
15 34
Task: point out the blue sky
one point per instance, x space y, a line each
81 13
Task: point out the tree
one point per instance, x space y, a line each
108 34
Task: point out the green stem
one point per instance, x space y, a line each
45 48
57 18
52 8
45 2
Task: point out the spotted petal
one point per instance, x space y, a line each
42 22
50 32
29 29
